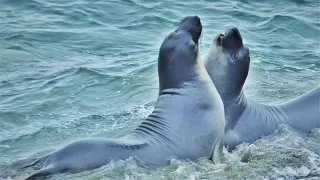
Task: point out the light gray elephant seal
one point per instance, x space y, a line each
180 126
227 62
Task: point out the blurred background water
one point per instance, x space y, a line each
76 69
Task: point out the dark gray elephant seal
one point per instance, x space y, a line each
227 62
180 125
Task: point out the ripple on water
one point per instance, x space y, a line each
78 69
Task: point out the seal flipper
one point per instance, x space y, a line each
21 165
71 156
217 152
36 164
45 172
17 166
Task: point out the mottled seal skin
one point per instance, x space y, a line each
227 62
180 126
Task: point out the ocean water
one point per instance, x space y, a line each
79 69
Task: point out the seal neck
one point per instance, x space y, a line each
175 74
234 108
240 106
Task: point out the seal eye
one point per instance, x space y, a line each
235 56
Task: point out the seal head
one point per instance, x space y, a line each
227 63
179 53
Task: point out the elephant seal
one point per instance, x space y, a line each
180 125
227 62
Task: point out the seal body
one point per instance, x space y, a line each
227 62
250 120
180 126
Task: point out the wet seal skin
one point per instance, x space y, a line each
227 62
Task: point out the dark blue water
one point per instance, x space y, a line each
78 69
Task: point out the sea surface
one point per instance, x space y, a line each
78 69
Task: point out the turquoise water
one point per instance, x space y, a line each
78 69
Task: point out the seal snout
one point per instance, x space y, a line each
191 24
231 40
196 21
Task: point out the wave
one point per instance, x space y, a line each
72 72
288 23
88 126
11 120
147 21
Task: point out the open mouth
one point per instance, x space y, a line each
221 36
219 39
231 39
